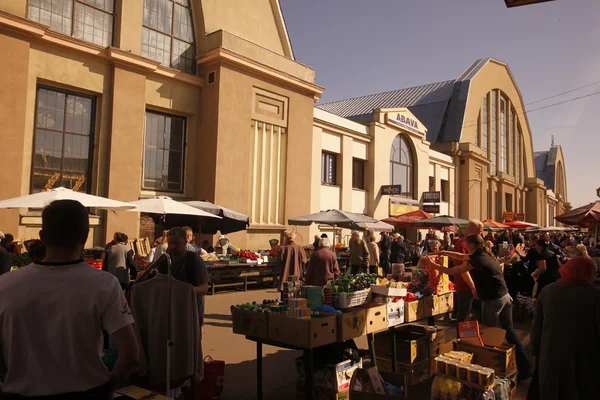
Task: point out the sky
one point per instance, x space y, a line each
359 47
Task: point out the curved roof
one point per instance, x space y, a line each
545 166
440 106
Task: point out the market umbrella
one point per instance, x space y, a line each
440 222
165 205
335 218
408 218
373 226
231 221
42 199
588 215
488 223
520 225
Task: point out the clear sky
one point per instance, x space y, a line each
359 47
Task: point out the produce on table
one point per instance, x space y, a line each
354 283
247 255
274 252
20 260
210 257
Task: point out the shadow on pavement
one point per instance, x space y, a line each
220 317
278 377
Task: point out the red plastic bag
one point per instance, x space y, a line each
211 387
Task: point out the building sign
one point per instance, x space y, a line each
508 216
404 119
391 190
519 217
398 207
431 208
432 197
518 3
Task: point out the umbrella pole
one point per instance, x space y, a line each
334 233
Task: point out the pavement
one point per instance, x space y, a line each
279 378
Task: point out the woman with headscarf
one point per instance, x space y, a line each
565 337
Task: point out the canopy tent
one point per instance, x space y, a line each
42 199
520 225
334 218
588 215
406 220
442 221
231 221
488 223
373 226
165 205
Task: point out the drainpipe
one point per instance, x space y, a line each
456 154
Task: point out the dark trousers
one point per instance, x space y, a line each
464 300
358 269
100 393
372 269
500 311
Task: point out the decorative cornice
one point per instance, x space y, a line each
331 127
112 54
224 55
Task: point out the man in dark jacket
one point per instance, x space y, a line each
386 249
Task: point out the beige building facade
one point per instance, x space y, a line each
478 120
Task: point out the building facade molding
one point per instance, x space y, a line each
229 57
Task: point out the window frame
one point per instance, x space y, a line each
73 13
172 36
362 170
324 164
183 153
91 136
411 168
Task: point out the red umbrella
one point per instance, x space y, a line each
588 215
520 225
405 220
495 225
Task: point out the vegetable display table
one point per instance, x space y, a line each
241 275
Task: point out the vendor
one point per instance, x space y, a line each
223 246
323 265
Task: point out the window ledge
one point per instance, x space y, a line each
360 190
148 194
330 185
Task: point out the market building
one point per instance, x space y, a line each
550 167
132 99
478 121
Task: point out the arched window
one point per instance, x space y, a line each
168 34
401 166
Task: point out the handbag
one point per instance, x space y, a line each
211 387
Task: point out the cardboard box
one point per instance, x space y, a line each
502 359
334 377
395 308
376 317
388 292
445 303
250 323
468 332
415 373
410 347
436 335
309 333
398 380
352 323
429 306
413 310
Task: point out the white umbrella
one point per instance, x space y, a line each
374 226
42 199
166 205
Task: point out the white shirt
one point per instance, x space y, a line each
51 321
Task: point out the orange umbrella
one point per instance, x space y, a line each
488 223
406 220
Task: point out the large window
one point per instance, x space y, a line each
494 132
512 145
503 138
358 173
63 139
164 148
518 157
168 34
401 166
484 124
88 20
329 168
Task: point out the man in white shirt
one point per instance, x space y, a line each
52 315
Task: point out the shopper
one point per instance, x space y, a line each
385 244
323 265
191 245
9 244
188 266
547 267
496 303
373 255
36 251
581 250
565 337
398 252
5 257
359 254
292 258
51 332
119 260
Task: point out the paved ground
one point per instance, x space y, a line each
278 365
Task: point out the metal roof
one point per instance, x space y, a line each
545 166
440 106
